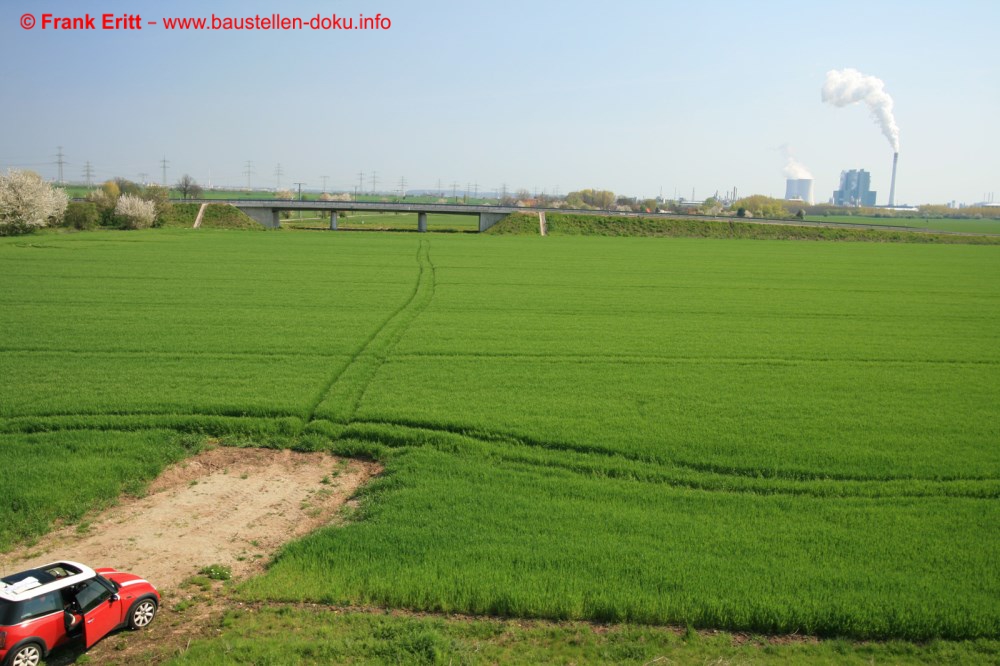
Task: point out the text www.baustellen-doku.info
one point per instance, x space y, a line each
125 21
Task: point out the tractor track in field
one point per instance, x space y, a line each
350 382
524 449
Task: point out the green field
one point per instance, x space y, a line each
317 635
935 224
763 436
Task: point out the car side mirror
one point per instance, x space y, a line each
113 598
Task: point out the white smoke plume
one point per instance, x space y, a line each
849 86
794 168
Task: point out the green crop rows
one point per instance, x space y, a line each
770 436
972 226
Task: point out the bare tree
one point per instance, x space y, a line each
188 187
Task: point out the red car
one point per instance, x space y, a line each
45 607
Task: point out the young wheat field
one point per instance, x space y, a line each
762 436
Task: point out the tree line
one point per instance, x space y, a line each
28 203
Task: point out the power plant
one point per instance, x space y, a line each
846 87
800 189
855 189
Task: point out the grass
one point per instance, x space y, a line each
567 224
532 540
50 477
762 436
217 216
314 635
217 572
408 221
935 224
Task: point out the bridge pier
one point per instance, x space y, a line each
487 220
333 220
421 222
269 217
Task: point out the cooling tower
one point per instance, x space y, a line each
799 189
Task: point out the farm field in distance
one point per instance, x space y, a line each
759 436
937 224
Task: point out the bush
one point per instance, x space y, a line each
161 202
105 199
134 213
27 202
16 228
81 215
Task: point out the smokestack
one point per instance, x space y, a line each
849 86
892 185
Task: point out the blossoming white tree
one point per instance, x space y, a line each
27 202
135 213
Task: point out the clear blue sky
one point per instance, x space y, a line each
630 96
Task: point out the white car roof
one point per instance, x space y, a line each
30 586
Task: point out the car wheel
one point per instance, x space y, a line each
141 613
29 654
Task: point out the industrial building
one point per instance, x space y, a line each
855 189
799 189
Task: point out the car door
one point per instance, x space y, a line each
101 609
41 617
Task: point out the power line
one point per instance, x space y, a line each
278 172
60 161
374 181
454 189
248 172
402 186
88 173
163 164
325 178
361 184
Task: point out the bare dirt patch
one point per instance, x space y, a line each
228 506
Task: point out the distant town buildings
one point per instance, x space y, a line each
799 189
855 189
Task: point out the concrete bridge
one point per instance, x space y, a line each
268 211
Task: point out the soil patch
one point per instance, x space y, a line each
227 506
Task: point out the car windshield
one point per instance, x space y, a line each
110 584
92 593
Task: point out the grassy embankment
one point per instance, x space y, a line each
217 216
562 224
